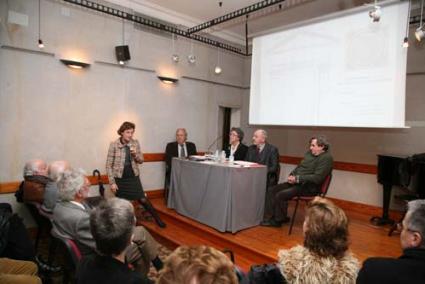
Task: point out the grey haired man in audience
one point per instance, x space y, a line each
35 180
71 220
56 169
410 266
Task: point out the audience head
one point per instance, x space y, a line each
325 229
318 145
197 265
236 135
259 137
126 131
57 168
112 224
36 167
181 135
73 186
413 225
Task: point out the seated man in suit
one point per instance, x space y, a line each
266 154
112 225
236 148
410 266
71 219
35 180
305 179
180 148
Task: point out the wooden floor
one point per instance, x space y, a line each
261 244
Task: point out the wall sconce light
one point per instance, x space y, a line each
74 64
168 80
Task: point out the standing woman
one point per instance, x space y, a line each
122 167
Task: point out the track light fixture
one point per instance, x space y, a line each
191 57
419 33
375 13
175 57
40 41
217 69
406 38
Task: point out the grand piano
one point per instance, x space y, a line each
403 171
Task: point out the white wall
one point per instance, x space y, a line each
50 111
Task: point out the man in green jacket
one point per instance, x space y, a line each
305 179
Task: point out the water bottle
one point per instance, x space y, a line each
231 159
216 157
223 156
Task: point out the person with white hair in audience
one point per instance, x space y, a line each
112 225
71 219
55 171
35 180
410 266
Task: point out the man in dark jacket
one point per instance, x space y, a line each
180 148
305 179
266 154
410 266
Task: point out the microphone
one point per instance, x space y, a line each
214 142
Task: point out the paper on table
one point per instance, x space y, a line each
245 163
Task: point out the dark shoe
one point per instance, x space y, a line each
43 266
276 224
265 223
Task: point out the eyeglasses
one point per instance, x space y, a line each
400 227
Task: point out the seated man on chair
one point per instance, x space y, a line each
410 266
71 219
305 179
35 180
180 148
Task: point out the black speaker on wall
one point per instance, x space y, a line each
122 52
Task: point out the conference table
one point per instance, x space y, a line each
226 196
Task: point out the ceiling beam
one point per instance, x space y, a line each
153 24
235 14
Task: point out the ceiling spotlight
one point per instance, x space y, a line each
191 59
121 62
40 44
175 58
375 13
406 42
420 34
217 70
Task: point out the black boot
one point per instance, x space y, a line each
148 207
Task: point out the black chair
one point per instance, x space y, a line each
41 218
71 252
307 198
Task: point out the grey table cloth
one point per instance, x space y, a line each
225 197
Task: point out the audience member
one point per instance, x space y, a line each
18 272
236 148
324 258
112 225
56 169
266 154
35 180
410 266
122 166
305 179
71 219
197 265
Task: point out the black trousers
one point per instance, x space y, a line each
278 196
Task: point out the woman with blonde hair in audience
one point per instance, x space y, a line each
324 258
197 265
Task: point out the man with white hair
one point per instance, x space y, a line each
71 219
410 266
35 180
266 154
56 169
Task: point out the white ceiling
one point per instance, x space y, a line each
190 13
